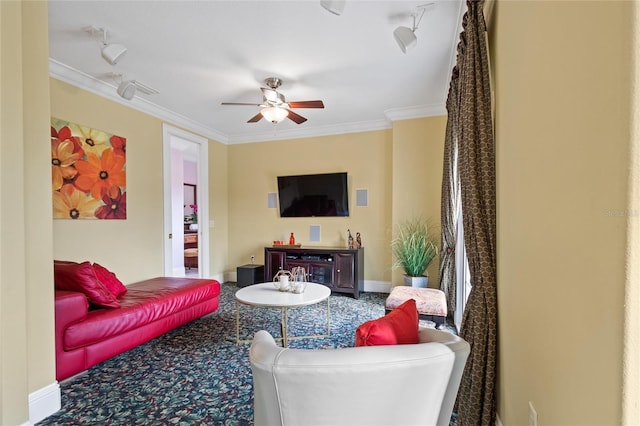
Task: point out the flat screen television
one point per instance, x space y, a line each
323 194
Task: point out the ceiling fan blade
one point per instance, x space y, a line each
255 118
306 104
296 117
239 103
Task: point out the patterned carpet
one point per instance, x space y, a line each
197 375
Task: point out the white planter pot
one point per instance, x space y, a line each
193 227
420 282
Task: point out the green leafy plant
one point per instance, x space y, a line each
413 247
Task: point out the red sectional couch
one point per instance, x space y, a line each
87 334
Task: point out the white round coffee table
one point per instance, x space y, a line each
265 295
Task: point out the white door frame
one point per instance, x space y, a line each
171 137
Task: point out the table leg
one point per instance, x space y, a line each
285 330
328 319
237 322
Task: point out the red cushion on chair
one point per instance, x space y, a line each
80 277
398 327
109 280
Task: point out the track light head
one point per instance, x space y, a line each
405 37
127 89
113 52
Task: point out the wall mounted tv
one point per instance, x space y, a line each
313 195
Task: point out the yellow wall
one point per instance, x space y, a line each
400 168
112 243
253 171
418 147
631 342
562 85
405 161
27 361
218 209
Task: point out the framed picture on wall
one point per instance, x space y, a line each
190 200
88 174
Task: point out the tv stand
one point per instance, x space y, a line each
340 269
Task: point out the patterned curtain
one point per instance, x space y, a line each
476 170
449 205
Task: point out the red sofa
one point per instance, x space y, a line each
87 335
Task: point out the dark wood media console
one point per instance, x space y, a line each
342 270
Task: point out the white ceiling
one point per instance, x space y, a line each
198 54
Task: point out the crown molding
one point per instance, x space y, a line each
99 87
419 111
309 132
87 82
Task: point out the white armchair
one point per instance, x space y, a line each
367 385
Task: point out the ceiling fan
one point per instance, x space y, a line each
274 106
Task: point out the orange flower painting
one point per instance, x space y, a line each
88 175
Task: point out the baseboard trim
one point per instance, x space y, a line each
44 402
219 277
231 276
377 286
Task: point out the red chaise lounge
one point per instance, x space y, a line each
87 334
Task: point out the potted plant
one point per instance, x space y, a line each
414 248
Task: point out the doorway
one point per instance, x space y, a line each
180 150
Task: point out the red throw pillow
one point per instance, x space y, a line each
109 280
398 327
81 277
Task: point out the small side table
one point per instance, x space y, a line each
265 295
250 274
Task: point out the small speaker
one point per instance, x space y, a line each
362 198
272 200
314 233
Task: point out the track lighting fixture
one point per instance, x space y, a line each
127 89
406 37
334 6
274 114
111 52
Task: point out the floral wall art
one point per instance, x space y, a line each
88 175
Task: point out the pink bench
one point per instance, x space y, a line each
431 302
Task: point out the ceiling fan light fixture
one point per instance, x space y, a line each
405 37
274 114
127 89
